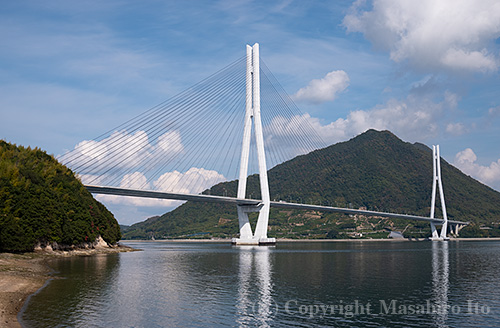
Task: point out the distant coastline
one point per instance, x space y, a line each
286 240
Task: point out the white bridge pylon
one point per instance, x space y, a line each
252 117
436 179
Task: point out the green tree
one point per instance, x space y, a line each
41 201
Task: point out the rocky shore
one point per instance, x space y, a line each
21 275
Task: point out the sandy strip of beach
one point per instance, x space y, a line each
21 275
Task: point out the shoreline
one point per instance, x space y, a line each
22 275
287 240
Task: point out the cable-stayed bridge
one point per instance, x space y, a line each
256 202
215 131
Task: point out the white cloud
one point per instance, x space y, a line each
456 128
490 175
129 151
281 126
451 99
450 34
494 111
412 119
325 89
281 130
470 60
170 142
415 118
134 180
193 181
122 150
137 201
91 179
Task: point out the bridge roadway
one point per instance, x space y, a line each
254 202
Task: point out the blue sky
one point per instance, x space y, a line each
426 70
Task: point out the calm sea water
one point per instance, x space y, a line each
339 284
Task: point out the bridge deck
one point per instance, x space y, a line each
170 195
254 202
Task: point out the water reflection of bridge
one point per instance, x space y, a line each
257 304
255 265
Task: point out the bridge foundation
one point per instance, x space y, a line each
252 115
254 242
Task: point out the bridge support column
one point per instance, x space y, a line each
436 182
453 229
435 234
252 115
458 227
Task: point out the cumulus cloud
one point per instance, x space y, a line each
120 160
137 201
429 34
134 180
470 60
193 181
325 89
170 142
415 118
122 150
490 175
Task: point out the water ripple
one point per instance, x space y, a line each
291 285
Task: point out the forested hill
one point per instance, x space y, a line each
41 201
375 170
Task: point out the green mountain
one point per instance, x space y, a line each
42 202
375 170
